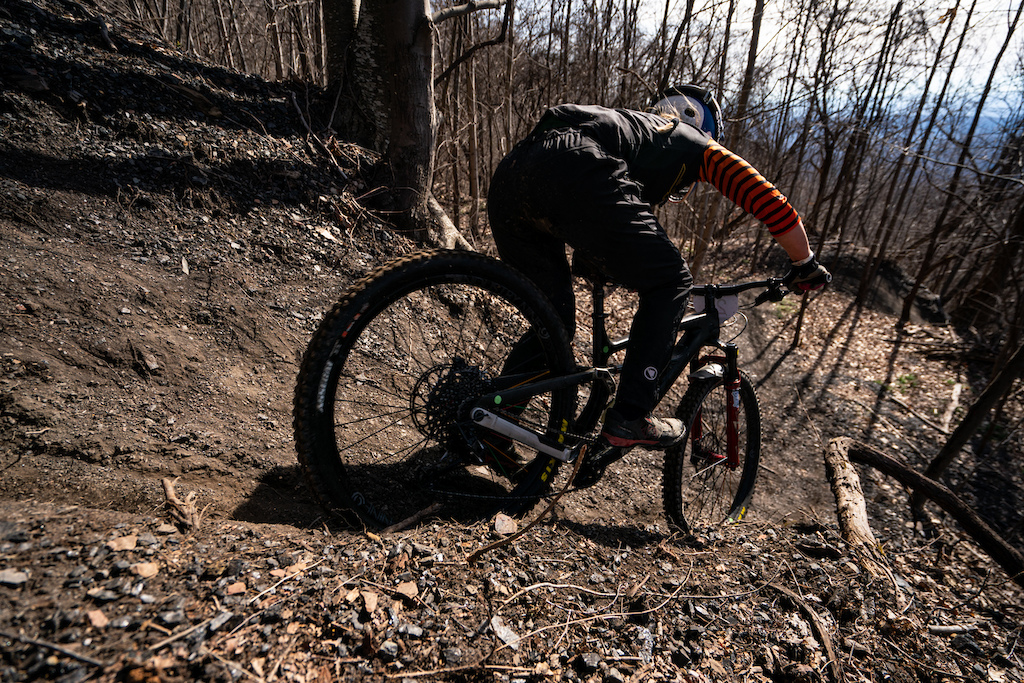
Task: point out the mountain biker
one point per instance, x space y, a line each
589 176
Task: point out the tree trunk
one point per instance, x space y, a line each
305 55
885 225
183 27
454 99
408 45
740 116
684 26
222 30
243 60
723 62
473 151
341 17
975 416
355 70
275 38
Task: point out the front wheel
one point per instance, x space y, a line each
701 487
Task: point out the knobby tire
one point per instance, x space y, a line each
382 396
699 489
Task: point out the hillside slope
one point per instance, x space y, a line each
169 239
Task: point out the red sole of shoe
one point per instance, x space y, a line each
619 442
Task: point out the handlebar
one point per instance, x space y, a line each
774 290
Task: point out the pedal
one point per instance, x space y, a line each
596 462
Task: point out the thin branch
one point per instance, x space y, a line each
475 555
413 519
459 10
179 636
835 665
55 648
287 578
318 142
509 4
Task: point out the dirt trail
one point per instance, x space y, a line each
169 241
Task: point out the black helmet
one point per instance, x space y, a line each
693 104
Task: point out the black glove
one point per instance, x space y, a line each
807 277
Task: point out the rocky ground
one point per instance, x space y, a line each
170 236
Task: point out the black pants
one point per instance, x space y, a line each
561 187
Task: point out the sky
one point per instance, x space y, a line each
990 20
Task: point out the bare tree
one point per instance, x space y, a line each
890 212
953 188
743 102
972 421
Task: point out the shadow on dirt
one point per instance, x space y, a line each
989 489
615 536
178 173
282 498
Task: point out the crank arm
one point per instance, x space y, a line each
500 425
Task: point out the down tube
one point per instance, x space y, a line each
688 346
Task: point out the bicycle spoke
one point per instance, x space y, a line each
398 367
701 488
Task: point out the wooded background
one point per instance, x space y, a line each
895 128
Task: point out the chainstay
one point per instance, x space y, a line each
581 440
536 427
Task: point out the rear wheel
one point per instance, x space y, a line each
382 404
700 487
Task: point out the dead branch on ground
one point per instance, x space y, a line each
1005 555
185 511
834 663
852 514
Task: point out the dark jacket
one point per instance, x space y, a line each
651 145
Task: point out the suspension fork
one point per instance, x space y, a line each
731 384
732 398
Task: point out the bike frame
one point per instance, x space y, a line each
697 331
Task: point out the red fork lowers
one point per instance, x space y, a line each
732 397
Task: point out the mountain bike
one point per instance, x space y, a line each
446 382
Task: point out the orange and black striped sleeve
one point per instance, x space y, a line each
748 189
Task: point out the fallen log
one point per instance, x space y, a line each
851 511
853 515
1005 555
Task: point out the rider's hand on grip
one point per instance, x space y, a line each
807 277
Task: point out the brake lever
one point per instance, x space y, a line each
775 293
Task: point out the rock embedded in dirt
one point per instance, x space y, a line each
13 577
589 662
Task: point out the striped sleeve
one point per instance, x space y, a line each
748 189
